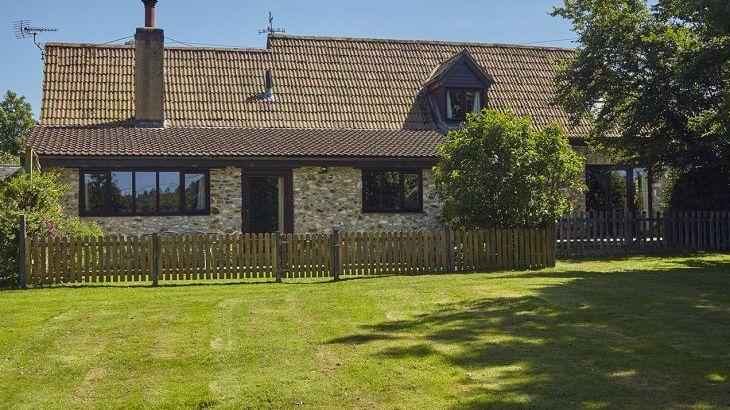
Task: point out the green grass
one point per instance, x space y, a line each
636 333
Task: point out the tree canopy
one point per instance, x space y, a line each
498 171
16 120
654 81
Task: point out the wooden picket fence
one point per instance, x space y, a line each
197 257
608 234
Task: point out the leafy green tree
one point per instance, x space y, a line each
654 83
498 171
16 120
39 201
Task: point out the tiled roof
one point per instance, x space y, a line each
323 83
233 142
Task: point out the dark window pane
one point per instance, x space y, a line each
391 190
169 192
618 190
121 192
599 183
641 190
195 192
455 104
146 191
265 197
95 188
411 192
470 101
371 190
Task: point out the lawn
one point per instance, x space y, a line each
635 333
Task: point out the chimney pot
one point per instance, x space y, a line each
149 12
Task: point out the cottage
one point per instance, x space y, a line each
308 134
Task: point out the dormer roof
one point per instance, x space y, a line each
461 64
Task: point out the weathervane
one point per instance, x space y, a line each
271 29
23 30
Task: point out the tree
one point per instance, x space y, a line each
16 120
654 83
498 171
39 201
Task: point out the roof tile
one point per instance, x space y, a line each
320 82
233 142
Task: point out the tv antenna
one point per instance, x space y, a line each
271 29
23 30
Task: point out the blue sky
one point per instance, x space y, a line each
236 22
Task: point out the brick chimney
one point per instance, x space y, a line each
149 84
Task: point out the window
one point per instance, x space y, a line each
122 200
126 192
392 191
169 192
94 191
618 189
461 101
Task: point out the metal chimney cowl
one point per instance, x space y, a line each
149 12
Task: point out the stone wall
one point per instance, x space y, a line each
325 198
225 208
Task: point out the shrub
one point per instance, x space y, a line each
498 171
39 201
699 189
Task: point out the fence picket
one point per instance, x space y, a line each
118 258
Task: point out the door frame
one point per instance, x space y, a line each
288 196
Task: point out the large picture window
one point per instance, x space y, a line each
131 192
392 191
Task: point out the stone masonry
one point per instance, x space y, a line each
327 198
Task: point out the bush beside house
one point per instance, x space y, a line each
498 170
39 200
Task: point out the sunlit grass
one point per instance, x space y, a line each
643 332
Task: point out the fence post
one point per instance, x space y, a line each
155 259
336 254
22 253
449 252
277 257
553 245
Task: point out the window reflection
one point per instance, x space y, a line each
122 192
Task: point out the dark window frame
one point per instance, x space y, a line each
630 188
462 90
401 191
107 211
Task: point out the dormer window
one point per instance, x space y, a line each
460 101
455 88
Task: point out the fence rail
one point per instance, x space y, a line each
273 256
606 233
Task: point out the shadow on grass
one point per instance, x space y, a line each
638 339
210 282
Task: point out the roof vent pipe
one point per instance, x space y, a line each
269 86
149 12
